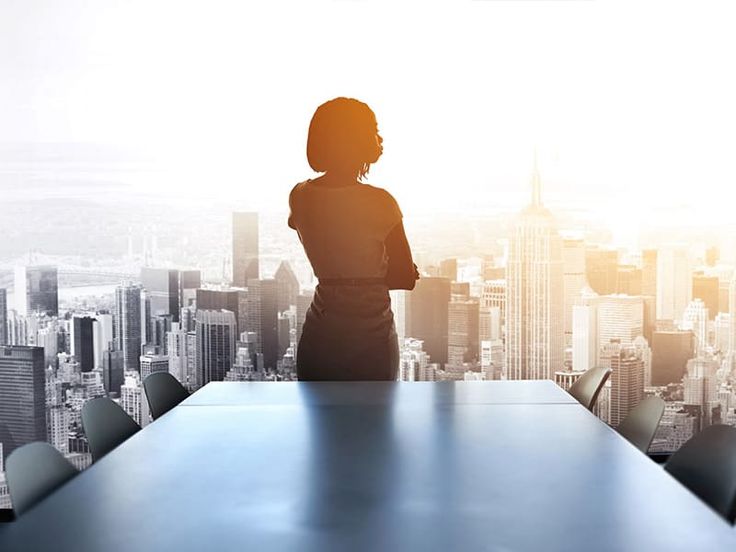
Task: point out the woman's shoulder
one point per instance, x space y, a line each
299 186
380 193
297 190
385 203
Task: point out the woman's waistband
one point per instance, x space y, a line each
351 281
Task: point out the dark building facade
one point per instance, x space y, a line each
427 317
233 300
463 332
287 286
37 290
706 288
22 396
113 372
189 282
3 316
83 347
670 352
162 287
127 328
262 318
215 344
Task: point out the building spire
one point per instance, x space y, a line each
536 183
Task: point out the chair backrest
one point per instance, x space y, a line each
706 465
163 392
640 425
33 472
106 426
586 387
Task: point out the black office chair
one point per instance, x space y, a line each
163 392
33 472
640 425
106 426
587 387
706 465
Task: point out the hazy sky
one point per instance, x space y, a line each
630 105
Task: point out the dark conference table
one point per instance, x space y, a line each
373 466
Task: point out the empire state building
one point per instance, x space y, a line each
534 293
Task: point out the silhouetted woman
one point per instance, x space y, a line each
353 235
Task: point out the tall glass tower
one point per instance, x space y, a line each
534 293
22 397
128 324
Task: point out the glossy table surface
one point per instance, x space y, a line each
379 393
394 473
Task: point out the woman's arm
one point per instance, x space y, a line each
402 272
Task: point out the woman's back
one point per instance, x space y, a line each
343 228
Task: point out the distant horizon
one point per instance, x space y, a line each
626 121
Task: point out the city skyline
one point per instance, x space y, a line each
521 304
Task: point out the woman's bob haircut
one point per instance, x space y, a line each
343 137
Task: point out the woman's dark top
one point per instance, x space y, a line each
348 332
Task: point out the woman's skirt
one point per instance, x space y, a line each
348 335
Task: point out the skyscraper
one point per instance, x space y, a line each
127 324
493 294
427 318
215 345
670 352
133 400
535 339
573 265
732 327
627 378
233 300
189 282
695 319
674 282
245 248
3 316
489 323
48 338
448 269
36 290
22 397
153 363
706 288
620 319
162 285
113 371
83 344
628 280
262 318
103 336
584 337
287 286
176 348
649 272
601 269
399 299
462 332
414 362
